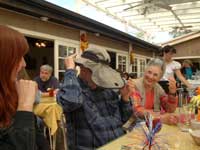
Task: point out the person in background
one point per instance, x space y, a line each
125 75
17 122
46 81
172 67
187 69
150 97
94 112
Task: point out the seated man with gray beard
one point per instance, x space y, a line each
46 81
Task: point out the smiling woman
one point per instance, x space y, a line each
149 95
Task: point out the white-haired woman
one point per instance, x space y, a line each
149 95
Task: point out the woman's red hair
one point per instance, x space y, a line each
13 46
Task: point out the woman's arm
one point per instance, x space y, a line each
182 78
170 119
169 102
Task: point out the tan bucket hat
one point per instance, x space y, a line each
102 74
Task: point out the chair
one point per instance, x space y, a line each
58 141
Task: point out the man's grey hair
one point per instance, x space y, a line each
47 68
157 62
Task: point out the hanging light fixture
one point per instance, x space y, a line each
40 44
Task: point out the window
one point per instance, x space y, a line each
142 66
63 51
138 65
122 63
134 66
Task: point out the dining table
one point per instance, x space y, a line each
50 112
169 138
52 115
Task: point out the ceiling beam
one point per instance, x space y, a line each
175 6
178 12
164 15
171 2
122 4
157 19
170 25
101 1
176 16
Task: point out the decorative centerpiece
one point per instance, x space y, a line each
153 127
195 102
145 135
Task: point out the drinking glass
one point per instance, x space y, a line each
51 92
184 118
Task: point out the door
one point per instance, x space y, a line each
61 50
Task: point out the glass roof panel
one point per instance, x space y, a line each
154 15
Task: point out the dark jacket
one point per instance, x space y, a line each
94 117
23 134
51 83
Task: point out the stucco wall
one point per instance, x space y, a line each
35 24
188 48
141 51
107 42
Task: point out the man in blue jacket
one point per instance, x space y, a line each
94 112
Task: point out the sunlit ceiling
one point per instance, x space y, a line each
174 16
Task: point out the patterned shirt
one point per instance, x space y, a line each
94 117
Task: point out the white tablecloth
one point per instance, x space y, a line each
194 83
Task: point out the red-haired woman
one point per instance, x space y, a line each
17 122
